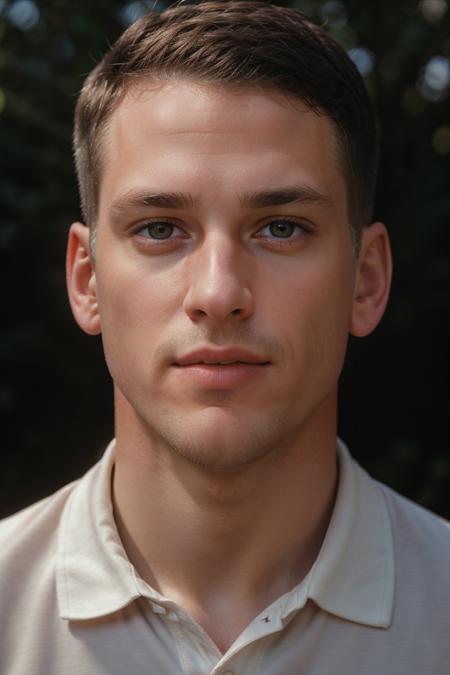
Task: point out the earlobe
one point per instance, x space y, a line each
373 280
81 281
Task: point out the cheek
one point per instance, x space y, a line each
313 312
135 307
135 298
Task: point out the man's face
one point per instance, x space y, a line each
223 236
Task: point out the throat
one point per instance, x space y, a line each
224 625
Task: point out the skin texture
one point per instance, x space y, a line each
222 466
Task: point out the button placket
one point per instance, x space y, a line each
199 656
158 609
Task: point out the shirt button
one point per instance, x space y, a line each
158 609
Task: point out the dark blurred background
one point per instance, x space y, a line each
55 393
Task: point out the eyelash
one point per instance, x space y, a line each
300 229
159 221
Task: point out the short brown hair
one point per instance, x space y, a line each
239 43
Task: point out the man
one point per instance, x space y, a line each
226 156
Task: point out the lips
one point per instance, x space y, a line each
221 357
220 369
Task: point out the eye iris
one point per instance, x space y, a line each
160 230
281 229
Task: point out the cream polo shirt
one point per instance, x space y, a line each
376 601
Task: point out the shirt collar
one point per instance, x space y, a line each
353 576
94 576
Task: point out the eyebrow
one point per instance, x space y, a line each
178 200
289 195
162 200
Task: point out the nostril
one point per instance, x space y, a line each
219 302
199 313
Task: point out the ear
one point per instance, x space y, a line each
373 280
81 282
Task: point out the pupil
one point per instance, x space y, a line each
160 230
281 229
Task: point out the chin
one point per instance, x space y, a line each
217 440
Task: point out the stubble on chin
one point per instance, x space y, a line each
218 440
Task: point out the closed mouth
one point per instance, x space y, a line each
222 363
213 356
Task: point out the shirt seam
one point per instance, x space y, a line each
389 556
63 552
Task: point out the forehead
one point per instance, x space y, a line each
216 137
181 106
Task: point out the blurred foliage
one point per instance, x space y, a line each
55 393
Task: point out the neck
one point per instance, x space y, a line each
223 542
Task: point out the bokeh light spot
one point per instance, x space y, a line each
363 59
334 12
433 10
23 14
434 79
134 10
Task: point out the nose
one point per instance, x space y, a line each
219 286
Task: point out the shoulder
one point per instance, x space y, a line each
421 543
29 536
415 525
36 515
28 562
